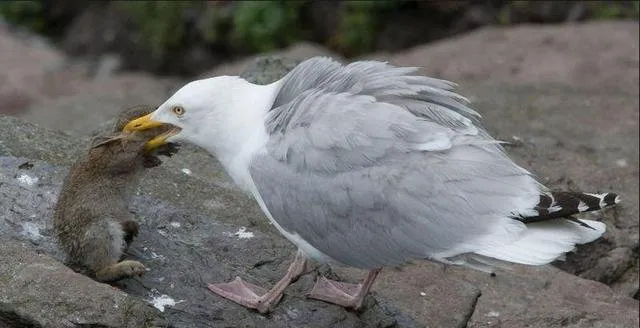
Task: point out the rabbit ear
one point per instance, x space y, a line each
105 140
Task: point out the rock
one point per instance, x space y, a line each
589 55
24 61
424 291
38 291
572 138
107 28
42 86
264 70
547 297
184 246
102 28
107 65
90 102
20 138
516 297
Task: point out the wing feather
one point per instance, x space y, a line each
373 166
372 183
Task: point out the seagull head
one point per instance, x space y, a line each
214 113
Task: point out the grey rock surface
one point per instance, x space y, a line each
184 248
574 138
38 291
547 297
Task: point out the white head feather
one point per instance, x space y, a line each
220 114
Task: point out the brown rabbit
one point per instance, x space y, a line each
91 219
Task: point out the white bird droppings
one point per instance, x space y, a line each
159 302
293 313
493 314
242 233
155 255
622 162
27 180
186 171
175 224
31 230
214 204
423 294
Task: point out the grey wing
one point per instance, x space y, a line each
371 183
426 97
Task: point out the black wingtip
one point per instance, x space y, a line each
573 219
611 199
564 204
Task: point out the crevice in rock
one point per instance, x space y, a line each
9 319
468 316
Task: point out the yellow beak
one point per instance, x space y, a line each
160 140
141 123
145 123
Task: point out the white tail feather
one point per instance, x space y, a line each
544 242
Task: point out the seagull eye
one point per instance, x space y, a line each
178 110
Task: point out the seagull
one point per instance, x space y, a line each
372 165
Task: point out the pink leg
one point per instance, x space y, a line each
256 297
343 294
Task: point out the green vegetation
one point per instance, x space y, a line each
359 26
266 25
253 26
160 23
605 11
26 13
246 25
600 10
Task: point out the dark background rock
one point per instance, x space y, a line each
105 28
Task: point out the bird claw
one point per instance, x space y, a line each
343 294
336 292
246 294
